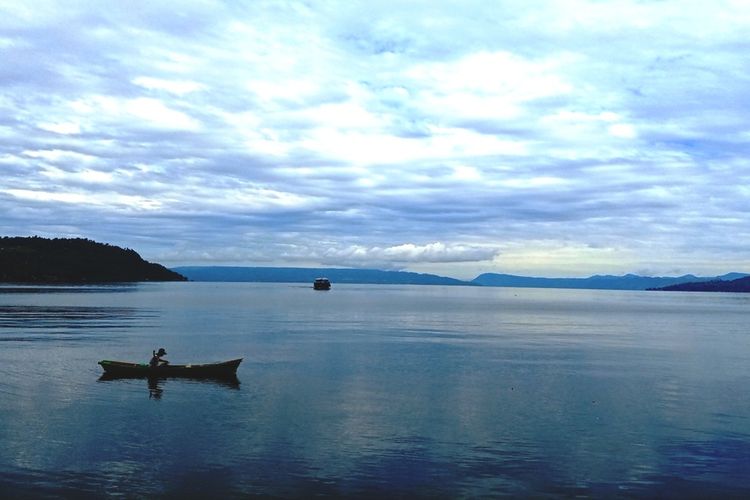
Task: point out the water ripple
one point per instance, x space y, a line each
54 320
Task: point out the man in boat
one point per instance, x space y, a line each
156 360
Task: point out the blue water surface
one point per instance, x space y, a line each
375 390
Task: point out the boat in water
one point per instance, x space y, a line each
322 284
224 369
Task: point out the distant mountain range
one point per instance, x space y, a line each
374 276
606 282
77 260
307 275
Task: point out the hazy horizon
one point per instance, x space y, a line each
589 275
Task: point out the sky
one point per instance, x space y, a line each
544 138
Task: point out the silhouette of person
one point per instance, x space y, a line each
156 360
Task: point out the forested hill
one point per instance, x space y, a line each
741 285
42 260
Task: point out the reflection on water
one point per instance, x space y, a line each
57 289
154 388
43 317
156 384
32 313
29 323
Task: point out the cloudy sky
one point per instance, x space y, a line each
552 138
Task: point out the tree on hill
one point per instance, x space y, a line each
741 285
76 260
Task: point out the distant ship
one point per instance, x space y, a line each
322 284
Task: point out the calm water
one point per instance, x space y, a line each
376 390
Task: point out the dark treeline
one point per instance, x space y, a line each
77 260
739 285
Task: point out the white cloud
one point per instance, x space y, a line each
59 155
466 173
85 175
400 255
178 87
157 113
533 182
486 85
140 111
68 128
107 201
622 130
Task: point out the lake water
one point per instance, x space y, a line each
411 391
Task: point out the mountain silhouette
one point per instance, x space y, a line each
741 285
74 260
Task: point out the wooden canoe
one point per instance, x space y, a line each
225 369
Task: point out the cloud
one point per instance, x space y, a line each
404 135
404 254
179 87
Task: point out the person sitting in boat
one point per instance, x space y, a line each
156 360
